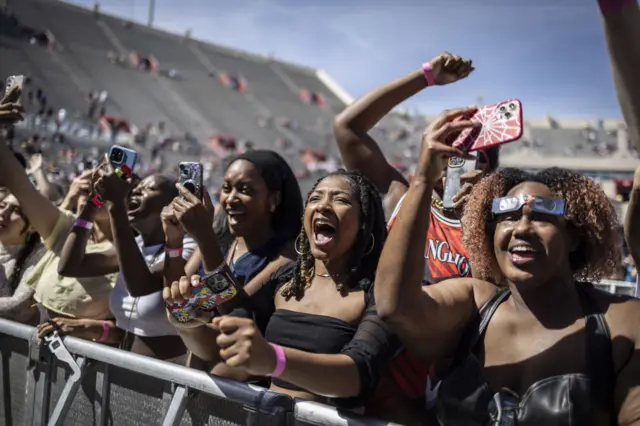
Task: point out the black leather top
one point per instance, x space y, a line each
464 397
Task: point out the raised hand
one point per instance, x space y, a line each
436 149
35 163
449 68
109 186
173 232
195 216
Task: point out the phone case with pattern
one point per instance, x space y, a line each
501 123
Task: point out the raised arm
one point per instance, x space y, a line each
196 217
621 20
74 259
138 277
414 313
359 151
40 212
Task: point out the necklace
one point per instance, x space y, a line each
329 275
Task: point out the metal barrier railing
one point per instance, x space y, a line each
617 287
106 386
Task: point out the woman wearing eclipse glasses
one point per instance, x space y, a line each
528 340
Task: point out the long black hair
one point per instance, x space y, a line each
278 176
366 251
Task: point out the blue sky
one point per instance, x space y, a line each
548 53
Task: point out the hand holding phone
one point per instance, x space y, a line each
191 178
122 160
213 290
457 168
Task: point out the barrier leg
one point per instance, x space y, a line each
103 387
176 407
67 395
38 391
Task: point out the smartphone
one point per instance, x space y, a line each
191 178
457 168
123 159
14 81
216 288
501 123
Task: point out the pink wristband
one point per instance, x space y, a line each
173 253
105 331
81 223
428 74
281 360
607 6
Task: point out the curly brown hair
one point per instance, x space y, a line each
588 211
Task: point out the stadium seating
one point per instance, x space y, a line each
187 90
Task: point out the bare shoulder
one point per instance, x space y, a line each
622 313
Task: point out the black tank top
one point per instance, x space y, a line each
464 397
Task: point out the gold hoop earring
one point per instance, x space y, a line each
296 244
373 244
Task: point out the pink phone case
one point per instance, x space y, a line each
501 123
203 300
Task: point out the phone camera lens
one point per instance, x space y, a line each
512 107
190 186
502 108
508 115
117 156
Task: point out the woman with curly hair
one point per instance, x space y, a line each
323 337
529 340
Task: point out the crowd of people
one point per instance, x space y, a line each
366 292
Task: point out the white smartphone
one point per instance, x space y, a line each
14 81
456 169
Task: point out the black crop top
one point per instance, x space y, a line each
464 397
370 344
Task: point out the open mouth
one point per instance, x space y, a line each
323 232
135 204
523 254
235 216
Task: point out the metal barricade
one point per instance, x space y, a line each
104 386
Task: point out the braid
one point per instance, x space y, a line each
16 275
368 246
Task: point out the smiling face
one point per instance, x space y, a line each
332 218
532 247
246 199
13 227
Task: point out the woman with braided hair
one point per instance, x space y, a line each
323 338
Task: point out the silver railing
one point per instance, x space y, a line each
103 386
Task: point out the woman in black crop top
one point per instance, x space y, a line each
526 341
321 309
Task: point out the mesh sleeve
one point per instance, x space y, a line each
371 349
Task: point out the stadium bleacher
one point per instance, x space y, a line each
195 98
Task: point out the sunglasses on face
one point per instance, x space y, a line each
545 205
